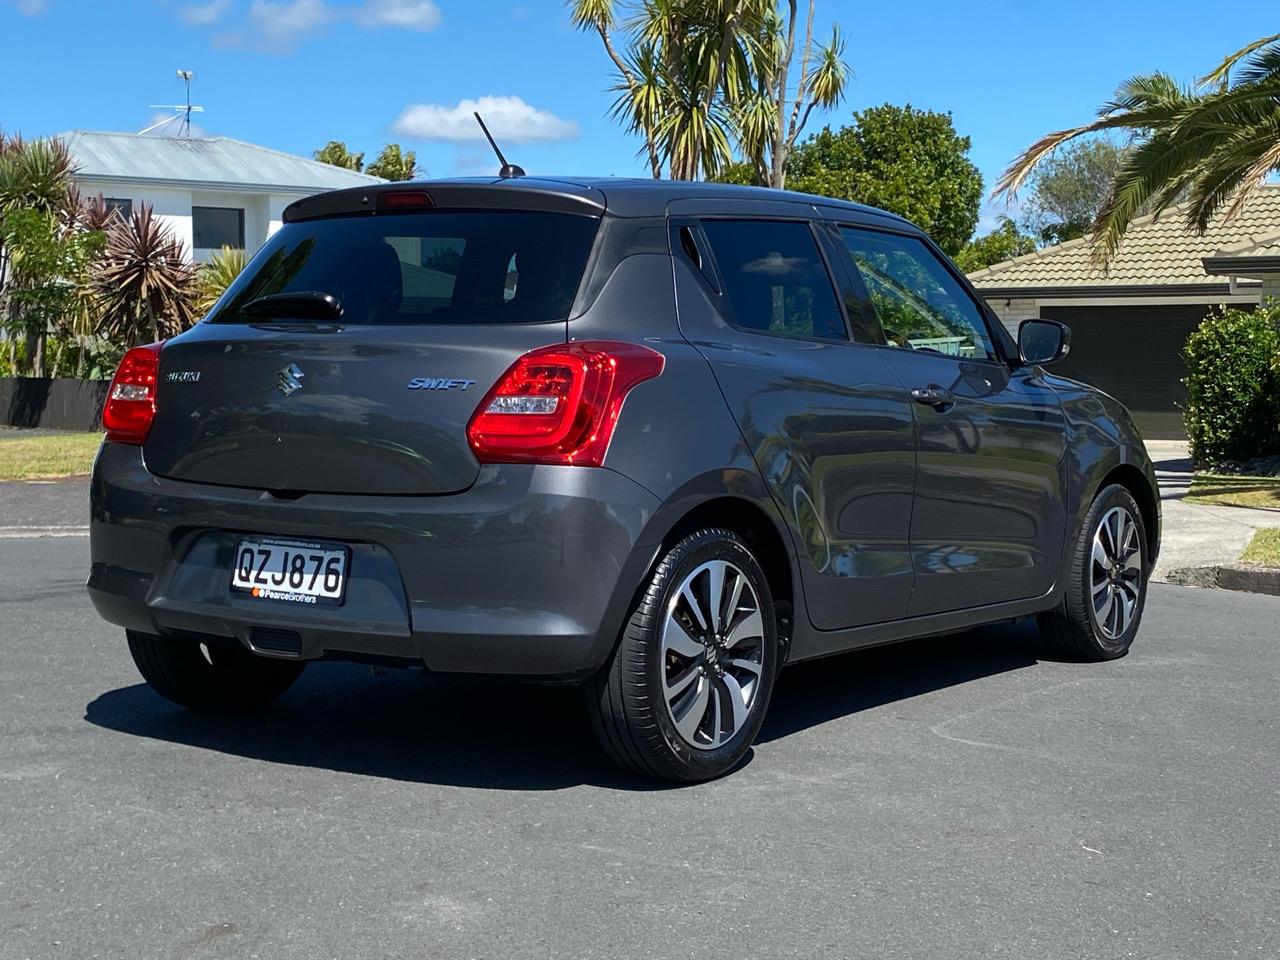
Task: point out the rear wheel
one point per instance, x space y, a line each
216 677
686 690
1102 607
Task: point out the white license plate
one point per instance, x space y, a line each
293 570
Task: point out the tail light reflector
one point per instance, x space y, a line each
559 404
131 399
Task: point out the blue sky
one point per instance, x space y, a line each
292 74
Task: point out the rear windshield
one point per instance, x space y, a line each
507 266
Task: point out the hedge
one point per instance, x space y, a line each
1233 385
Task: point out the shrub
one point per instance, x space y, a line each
1233 385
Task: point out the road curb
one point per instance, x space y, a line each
1229 576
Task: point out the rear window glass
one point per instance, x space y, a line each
775 278
508 266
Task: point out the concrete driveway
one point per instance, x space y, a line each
1195 535
961 797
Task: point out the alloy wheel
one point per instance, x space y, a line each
712 654
1115 573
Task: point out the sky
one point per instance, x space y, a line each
293 74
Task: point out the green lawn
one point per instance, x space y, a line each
43 457
1263 549
1228 491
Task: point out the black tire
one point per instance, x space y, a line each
626 701
1072 629
229 679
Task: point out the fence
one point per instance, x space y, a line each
56 404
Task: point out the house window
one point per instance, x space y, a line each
119 205
215 227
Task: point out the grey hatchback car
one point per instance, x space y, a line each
655 439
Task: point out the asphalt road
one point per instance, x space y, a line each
950 798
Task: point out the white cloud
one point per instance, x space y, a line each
280 25
288 21
203 14
405 14
510 120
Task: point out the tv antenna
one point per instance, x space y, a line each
181 111
508 169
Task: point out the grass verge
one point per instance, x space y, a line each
1263 549
1229 491
46 456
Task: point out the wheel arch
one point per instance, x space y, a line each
1135 481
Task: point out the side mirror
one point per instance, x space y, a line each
1043 341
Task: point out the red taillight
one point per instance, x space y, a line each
405 200
559 404
131 400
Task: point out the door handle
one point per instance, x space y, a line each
936 397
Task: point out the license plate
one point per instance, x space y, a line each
291 570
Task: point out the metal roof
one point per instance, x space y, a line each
1156 253
213 162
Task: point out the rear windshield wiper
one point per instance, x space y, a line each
302 304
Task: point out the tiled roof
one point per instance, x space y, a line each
1155 252
218 160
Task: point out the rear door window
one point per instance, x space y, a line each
422 268
775 279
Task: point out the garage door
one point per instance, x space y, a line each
1134 354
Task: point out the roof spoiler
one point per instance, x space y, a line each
510 194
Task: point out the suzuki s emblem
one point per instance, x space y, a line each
289 380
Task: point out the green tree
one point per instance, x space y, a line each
695 78
1069 188
1215 143
391 164
45 252
1005 242
335 152
907 161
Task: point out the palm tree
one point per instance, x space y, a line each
392 164
335 152
1212 144
698 77
213 278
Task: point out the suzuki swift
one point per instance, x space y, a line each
656 439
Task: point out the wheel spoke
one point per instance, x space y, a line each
717 736
735 596
690 719
1113 531
681 683
676 638
1104 612
750 666
737 701
750 627
1099 551
695 608
715 592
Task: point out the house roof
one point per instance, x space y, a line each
1159 254
214 162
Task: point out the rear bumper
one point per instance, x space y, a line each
529 572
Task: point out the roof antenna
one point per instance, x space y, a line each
182 111
508 169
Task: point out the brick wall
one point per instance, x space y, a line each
1013 311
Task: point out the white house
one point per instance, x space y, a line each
211 192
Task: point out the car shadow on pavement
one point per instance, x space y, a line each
403 725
